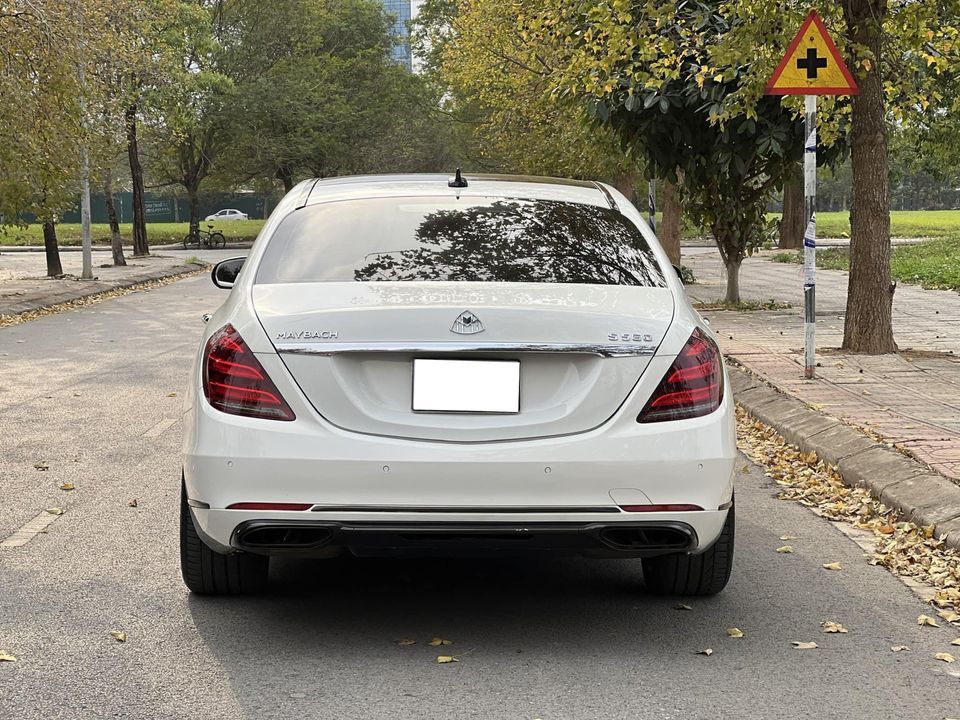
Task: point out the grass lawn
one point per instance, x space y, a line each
157 233
932 264
903 223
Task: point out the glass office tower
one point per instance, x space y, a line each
400 10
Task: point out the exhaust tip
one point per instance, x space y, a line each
281 537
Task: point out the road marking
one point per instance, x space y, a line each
160 428
32 528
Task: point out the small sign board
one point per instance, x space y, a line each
812 65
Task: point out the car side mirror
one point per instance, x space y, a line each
224 273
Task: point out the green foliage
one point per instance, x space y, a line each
932 263
162 233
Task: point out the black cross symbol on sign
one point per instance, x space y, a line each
811 63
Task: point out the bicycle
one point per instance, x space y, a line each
208 238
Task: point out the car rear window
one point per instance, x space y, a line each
470 239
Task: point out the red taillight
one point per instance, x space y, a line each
693 386
235 382
269 506
661 508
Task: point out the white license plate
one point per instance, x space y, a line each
479 386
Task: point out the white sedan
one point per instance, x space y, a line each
407 365
228 214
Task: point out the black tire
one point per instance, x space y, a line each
703 574
186 240
218 240
209 573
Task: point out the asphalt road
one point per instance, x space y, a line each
88 392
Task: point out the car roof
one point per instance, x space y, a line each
357 187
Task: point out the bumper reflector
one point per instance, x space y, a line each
269 506
660 508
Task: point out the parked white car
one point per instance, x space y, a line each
407 366
227 215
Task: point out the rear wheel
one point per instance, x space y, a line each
703 574
218 240
209 573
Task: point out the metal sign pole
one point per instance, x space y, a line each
810 236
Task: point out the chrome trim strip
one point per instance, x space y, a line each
339 348
509 509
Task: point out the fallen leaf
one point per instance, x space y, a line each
55 511
437 642
735 632
899 648
706 651
171 394
829 626
41 466
955 642
682 606
832 566
444 659
805 645
949 615
886 529
946 657
404 642
789 537
927 620
132 503
67 486
119 635
785 549
6 657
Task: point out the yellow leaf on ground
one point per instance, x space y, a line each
949 615
946 657
171 394
437 642
55 511
706 651
735 632
785 549
927 620
6 657
67 486
788 537
444 659
805 645
829 626
955 642
832 566
899 648
119 635
404 642
682 606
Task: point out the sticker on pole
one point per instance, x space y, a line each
812 65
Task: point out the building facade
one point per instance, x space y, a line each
400 10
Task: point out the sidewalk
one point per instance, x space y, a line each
911 400
25 288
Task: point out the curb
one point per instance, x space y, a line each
242 245
922 496
101 288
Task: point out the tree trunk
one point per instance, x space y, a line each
670 224
285 175
791 222
116 243
193 199
733 280
140 247
54 268
627 184
869 318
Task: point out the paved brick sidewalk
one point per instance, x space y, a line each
23 286
911 400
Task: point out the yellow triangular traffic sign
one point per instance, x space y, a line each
812 65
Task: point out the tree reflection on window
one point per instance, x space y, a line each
521 241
